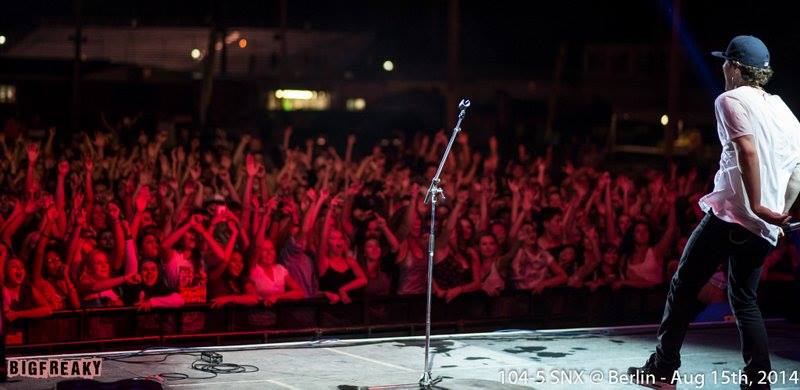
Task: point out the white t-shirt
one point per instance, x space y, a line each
776 131
266 285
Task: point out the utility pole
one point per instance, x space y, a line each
76 67
673 92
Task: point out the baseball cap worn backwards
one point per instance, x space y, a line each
746 50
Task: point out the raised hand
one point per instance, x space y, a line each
197 221
33 152
527 200
80 218
195 172
324 193
133 279
246 139
89 165
113 211
463 138
250 165
380 221
63 168
271 204
142 199
355 189
100 140
336 202
605 180
311 194
440 138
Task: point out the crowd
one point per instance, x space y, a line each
99 220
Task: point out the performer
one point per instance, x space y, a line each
760 153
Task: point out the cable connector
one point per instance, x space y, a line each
211 357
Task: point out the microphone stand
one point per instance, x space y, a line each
432 197
435 191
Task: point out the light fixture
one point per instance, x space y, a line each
388 65
664 119
196 54
299 94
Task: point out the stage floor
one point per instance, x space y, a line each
499 360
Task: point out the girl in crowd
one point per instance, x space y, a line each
379 283
455 271
412 256
492 271
339 273
608 271
643 262
532 267
20 299
268 281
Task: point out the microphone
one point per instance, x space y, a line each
790 227
464 104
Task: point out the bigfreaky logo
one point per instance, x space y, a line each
54 368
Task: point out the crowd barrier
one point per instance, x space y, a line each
114 328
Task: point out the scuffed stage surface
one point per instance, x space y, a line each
470 361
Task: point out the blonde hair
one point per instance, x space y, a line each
754 77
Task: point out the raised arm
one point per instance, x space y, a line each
247 207
239 153
322 264
61 206
33 156
311 215
176 235
41 245
348 152
88 183
672 226
611 218
118 257
394 243
215 247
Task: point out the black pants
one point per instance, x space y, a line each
712 242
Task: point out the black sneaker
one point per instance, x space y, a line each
652 376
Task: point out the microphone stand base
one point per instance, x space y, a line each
427 380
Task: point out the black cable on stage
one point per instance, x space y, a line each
214 369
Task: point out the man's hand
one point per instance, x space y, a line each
770 216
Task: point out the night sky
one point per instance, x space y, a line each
496 37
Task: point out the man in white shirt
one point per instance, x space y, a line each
752 198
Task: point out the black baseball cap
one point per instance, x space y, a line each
746 50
